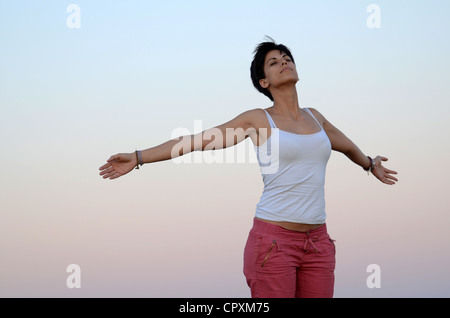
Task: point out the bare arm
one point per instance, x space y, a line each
341 143
219 137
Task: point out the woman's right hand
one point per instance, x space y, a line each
118 165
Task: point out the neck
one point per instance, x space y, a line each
286 102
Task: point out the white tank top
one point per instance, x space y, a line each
293 170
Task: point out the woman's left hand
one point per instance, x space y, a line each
383 174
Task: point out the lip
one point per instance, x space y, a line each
286 68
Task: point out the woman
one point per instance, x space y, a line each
288 252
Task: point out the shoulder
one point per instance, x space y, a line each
252 112
255 116
257 111
315 111
318 115
257 119
250 119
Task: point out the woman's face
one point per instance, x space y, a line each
279 70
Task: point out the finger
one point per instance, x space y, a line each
105 171
110 175
391 177
390 171
386 180
112 158
106 165
384 159
106 175
115 176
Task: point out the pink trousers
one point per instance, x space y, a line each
279 263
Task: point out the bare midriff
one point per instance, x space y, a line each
299 227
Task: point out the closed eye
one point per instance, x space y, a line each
274 60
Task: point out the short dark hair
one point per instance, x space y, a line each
257 67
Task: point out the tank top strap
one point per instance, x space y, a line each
310 112
272 123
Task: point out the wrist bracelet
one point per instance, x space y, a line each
371 166
138 159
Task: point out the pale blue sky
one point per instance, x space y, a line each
136 70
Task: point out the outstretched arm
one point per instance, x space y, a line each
222 136
341 143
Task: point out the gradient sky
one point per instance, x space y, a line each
137 70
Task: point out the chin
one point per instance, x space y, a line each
293 80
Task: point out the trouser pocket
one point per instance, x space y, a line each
334 245
267 253
274 242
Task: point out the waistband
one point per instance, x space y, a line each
262 227
280 233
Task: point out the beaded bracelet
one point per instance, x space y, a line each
371 166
